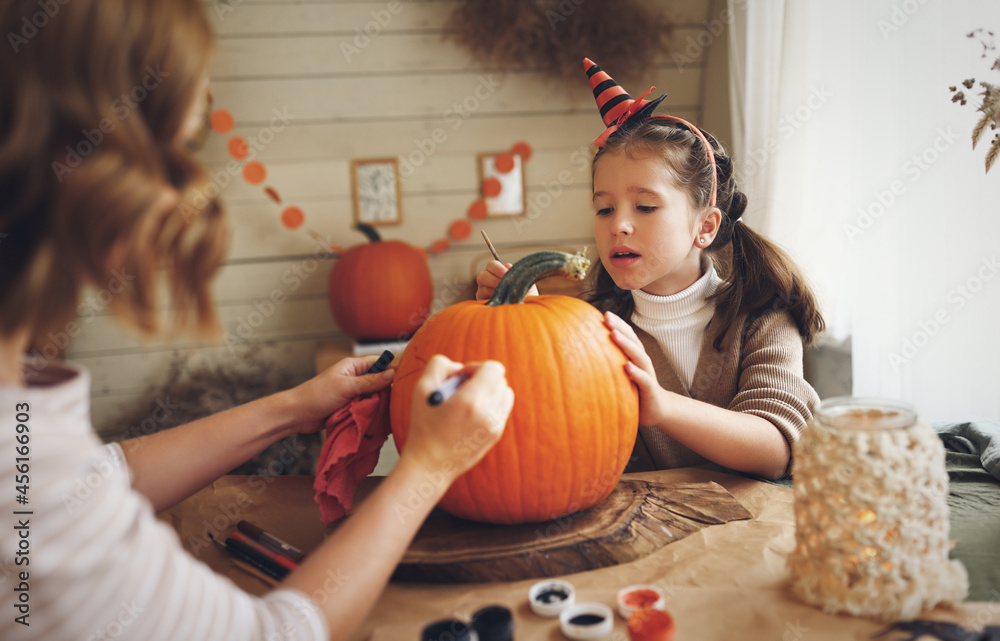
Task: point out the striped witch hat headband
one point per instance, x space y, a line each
620 111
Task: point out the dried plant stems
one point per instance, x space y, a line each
553 37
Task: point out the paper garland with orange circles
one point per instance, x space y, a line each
490 188
292 217
254 171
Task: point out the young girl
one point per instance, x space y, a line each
711 314
99 99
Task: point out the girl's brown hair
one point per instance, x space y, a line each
98 189
758 275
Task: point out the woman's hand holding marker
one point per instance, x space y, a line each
447 389
455 434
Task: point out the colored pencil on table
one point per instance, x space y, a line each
247 555
270 541
251 570
265 552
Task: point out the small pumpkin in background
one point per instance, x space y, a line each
576 412
380 290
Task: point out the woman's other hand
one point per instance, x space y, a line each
322 395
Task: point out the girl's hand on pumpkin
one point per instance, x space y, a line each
652 397
452 437
319 397
489 278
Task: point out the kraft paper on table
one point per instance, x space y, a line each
721 581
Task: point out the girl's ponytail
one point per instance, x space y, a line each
762 277
759 275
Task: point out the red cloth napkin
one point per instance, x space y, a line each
354 436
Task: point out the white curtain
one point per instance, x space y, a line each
859 165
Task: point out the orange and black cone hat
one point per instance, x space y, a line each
614 103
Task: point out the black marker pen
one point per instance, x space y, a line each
382 363
447 389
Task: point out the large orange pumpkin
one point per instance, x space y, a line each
381 290
575 413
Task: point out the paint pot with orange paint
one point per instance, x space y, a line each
638 597
650 624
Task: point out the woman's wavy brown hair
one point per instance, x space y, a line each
97 187
758 276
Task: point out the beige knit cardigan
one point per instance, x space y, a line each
758 370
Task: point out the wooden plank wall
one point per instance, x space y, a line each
282 72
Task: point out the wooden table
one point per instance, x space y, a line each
723 582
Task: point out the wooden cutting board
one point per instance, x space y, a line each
636 519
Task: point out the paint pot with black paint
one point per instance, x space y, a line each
586 621
448 630
548 598
494 623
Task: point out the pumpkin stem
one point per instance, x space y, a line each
514 285
369 231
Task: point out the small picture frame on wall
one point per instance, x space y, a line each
501 178
375 185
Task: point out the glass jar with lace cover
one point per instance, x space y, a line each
871 513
